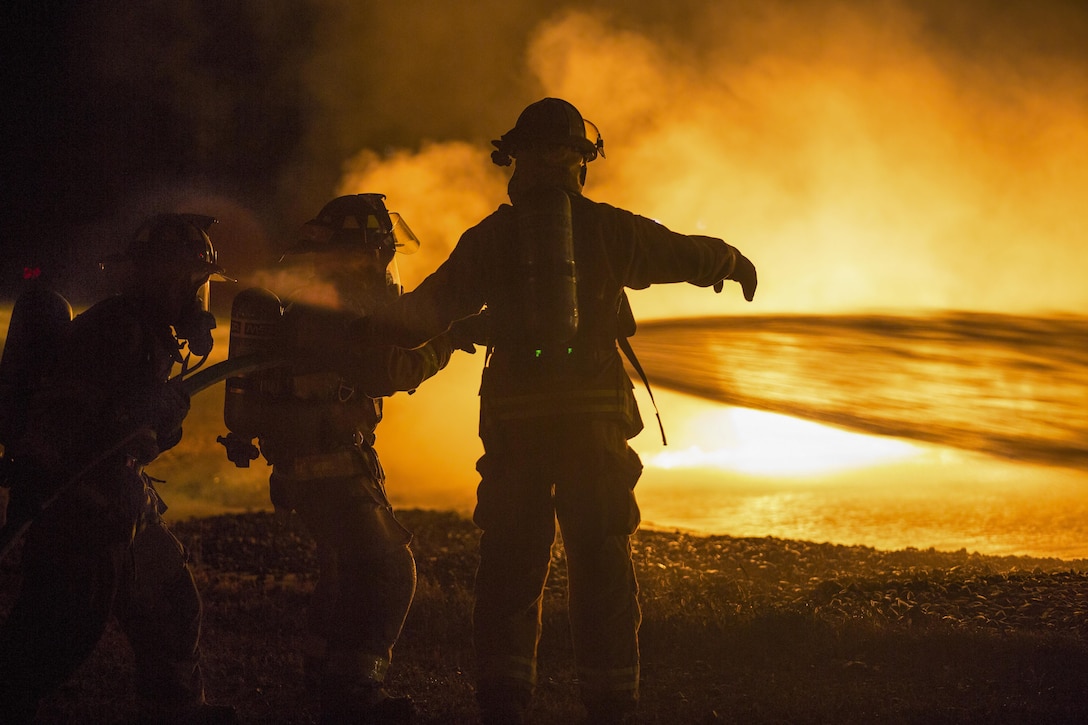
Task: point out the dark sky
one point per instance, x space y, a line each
115 110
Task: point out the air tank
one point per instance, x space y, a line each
546 264
254 328
39 321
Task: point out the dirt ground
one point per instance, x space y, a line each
735 630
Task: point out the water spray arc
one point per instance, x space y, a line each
1007 386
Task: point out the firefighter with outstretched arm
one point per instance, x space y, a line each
556 405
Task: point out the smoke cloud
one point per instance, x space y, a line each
856 154
859 159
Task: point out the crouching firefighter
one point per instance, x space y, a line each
556 405
314 421
103 409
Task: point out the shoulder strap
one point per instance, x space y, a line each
625 328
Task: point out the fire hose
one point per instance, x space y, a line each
193 384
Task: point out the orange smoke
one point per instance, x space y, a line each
867 171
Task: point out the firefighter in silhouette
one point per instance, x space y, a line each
314 421
98 547
556 405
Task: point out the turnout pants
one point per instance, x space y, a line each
367 578
76 574
581 472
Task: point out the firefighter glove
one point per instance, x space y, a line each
171 410
142 446
466 333
744 272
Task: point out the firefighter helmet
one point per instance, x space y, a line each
549 122
176 242
356 221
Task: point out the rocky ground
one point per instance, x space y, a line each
737 630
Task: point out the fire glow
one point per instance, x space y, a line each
767 444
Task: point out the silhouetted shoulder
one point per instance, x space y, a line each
615 219
113 344
106 325
492 222
477 243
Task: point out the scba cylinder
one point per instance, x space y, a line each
255 321
39 321
546 261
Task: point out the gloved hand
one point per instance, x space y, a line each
142 446
173 406
466 333
744 272
126 497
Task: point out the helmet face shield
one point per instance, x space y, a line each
404 238
348 253
354 280
593 136
203 295
355 222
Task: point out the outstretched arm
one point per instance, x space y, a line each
383 370
386 370
657 255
